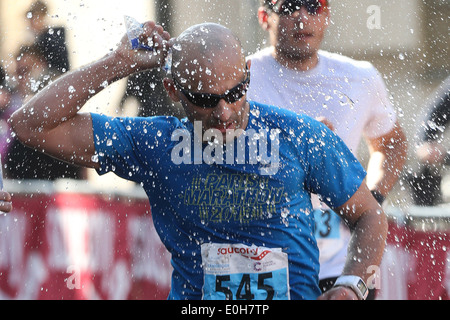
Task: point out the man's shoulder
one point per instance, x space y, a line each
263 55
284 119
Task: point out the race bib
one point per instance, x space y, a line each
239 272
327 224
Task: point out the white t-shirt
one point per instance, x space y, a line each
351 95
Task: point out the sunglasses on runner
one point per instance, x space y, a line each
289 7
211 100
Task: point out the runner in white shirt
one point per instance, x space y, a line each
348 95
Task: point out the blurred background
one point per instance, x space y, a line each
85 240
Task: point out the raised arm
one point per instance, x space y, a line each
52 122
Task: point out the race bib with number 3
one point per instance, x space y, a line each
239 272
327 224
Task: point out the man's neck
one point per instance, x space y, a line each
300 64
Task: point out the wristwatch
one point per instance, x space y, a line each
355 283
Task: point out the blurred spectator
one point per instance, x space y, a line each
426 184
32 74
5 97
147 88
4 92
50 40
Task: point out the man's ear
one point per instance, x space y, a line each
263 18
171 90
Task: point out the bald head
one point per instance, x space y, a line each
208 59
206 51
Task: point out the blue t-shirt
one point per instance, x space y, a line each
227 200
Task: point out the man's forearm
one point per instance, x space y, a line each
367 244
382 173
368 223
388 156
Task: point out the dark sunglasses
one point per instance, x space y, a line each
211 100
289 7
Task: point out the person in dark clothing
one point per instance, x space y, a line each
50 40
24 163
426 184
4 92
146 87
5 98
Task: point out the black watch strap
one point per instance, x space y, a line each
378 196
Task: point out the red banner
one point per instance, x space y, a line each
416 264
68 246
78 246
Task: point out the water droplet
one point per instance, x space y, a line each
255 112
177 47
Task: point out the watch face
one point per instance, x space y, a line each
362 287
